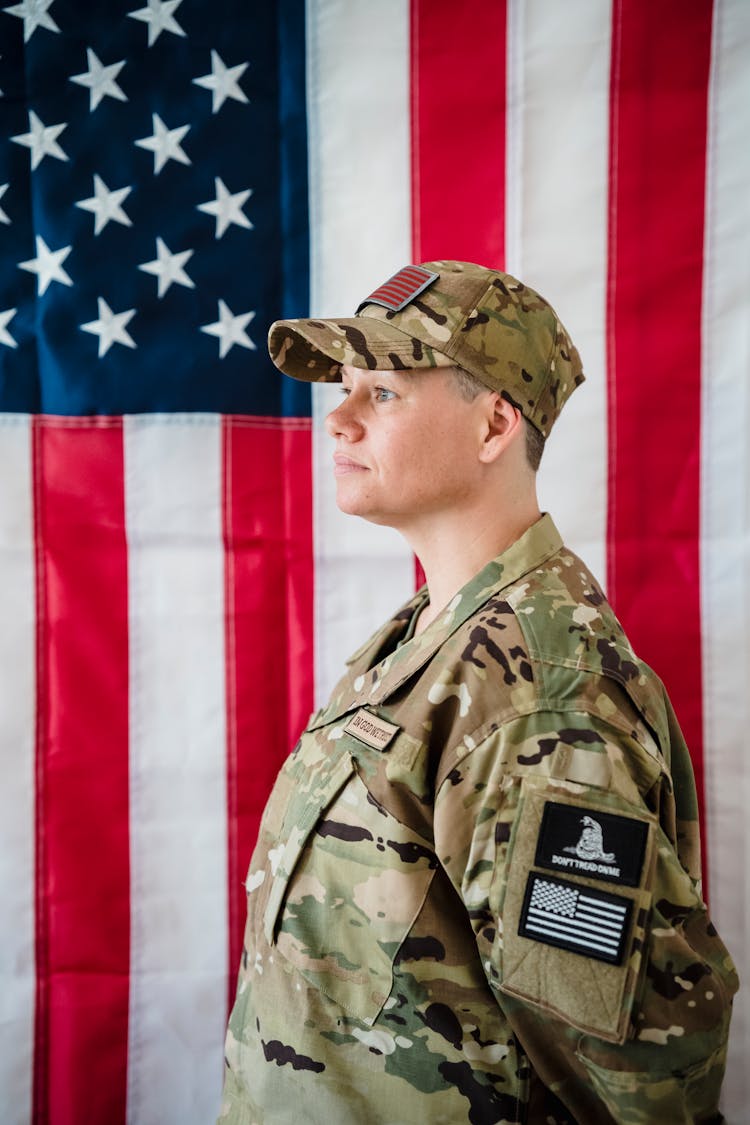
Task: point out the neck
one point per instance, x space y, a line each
457 547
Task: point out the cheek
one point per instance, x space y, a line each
427 472
440 449
427 444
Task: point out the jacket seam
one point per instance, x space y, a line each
460 751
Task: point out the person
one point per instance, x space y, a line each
475 894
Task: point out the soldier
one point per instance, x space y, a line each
475 894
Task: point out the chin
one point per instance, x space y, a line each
351 507
351 503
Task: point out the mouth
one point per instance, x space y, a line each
343 465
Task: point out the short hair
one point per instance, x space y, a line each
468 386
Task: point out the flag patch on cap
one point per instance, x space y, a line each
577 918
400 289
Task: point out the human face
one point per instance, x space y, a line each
406 446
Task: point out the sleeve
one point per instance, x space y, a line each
558 831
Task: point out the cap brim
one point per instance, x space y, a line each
316 350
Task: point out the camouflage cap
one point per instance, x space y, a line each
445 314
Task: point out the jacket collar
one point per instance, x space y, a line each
368 684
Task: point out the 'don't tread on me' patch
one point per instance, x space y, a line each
592 843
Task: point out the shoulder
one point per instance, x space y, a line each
580 650
550 641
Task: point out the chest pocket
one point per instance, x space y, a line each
348 885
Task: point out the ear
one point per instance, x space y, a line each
503 427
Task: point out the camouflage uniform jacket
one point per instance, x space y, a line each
475 894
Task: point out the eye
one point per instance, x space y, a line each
345 391
383 394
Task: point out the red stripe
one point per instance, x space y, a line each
396 289
660 72
391 294
269 595
458 78
83 870
458 83
405 282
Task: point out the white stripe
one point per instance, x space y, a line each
17 755
556 232
600 921
598 904
576 922
569 935
605 930
360 234
725 475
515 124
178 837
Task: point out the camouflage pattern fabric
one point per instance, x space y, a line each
391 971
485 321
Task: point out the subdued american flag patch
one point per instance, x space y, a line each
577 918
400 289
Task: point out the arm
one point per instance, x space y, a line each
621 1001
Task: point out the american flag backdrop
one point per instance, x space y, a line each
177 588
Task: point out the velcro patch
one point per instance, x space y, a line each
400 289
599 845
372 730
580 919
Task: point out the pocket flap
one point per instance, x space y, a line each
300 821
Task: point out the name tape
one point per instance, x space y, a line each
371 730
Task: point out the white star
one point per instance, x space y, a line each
227 207
105 205
165 143
223 81
158 15
168 267
5 336
47 265
3 217
230 329
110 327
41 139
34 15
100 80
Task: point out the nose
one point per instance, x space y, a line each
343 421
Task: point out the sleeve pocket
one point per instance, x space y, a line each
683 1098
571 942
